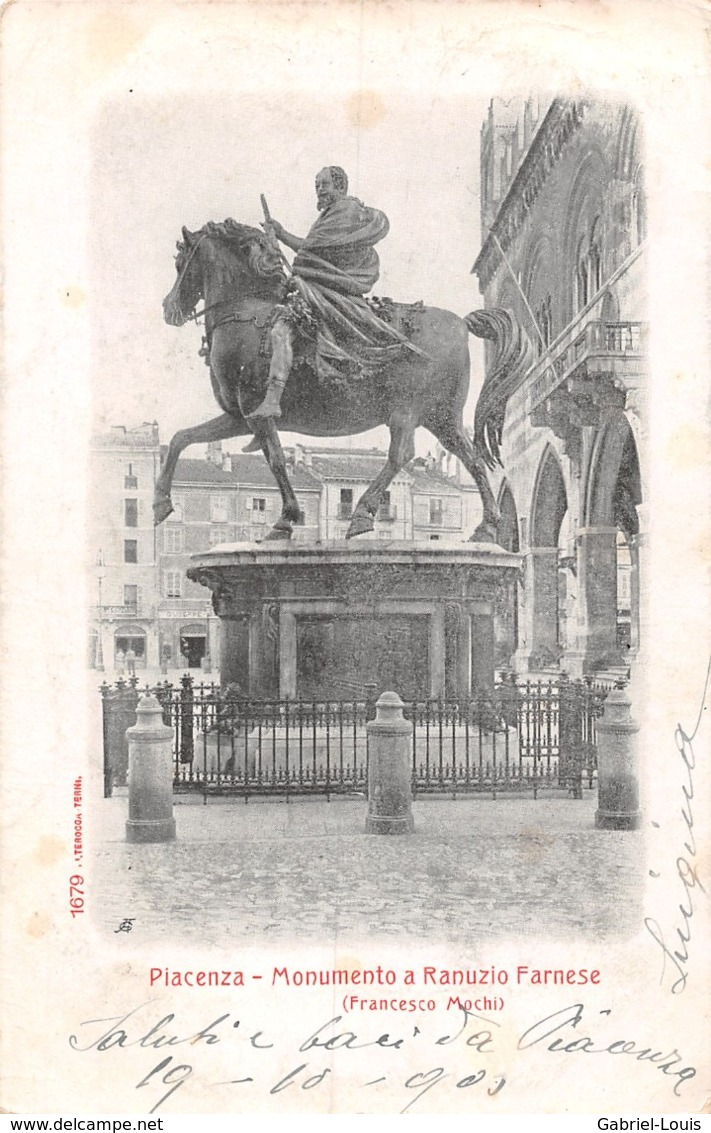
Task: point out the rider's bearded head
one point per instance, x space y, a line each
331 183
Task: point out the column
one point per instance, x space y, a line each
482 649
437 651
287 654
464 655
542 605
597 565
234 651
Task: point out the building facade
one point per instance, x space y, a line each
144 600
121 550
563 248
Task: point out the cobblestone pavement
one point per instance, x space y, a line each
474 870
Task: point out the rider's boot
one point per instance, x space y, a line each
253 446
279 370
271 406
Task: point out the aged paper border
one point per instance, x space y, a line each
59 60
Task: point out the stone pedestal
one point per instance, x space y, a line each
150 776
389 769
326 621
618 782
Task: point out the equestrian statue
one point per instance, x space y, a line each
301 345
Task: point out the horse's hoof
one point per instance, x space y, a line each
484 533
277 533
162 508
360 525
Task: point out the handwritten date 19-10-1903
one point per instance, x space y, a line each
470 1044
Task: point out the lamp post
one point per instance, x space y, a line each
100 645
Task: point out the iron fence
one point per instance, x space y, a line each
523 736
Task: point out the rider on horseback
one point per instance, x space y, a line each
335 265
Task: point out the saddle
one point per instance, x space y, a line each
404 317
345 337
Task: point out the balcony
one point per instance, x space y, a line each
587 372
345 511
612 350
386 514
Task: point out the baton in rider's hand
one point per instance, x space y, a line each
268 227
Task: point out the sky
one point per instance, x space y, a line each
159 163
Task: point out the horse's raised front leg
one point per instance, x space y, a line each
456 441
401 450
265 431
218 429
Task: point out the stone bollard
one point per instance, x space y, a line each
389 769
150 776
617 779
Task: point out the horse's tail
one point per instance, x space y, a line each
514 356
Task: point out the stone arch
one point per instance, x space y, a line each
609 547
584 236
508 296
614 487
507 532
540 285
547 604
549 501
506 624
629 145
638 208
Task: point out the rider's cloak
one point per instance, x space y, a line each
333 269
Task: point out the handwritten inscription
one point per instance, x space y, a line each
568 1041
464 1059
685 866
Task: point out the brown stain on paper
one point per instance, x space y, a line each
73 296
111 36
364 109
39 925
687 448
49 850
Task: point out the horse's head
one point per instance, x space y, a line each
228 260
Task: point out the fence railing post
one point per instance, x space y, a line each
389 769
570 735
108 770
618 785
150 775
186 719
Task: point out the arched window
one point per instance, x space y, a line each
581 276
638 219
551 601
539 281
595 261
588 269
544 318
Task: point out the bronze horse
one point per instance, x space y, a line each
237 272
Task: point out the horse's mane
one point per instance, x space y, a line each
230 232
